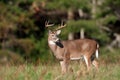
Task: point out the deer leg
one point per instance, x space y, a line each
95 63
88 62
65 63
64 67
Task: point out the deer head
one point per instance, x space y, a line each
53 35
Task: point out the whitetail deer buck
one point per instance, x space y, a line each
72 49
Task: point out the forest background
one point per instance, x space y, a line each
23 36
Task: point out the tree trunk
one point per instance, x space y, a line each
70 14
70 36
93 11
82 33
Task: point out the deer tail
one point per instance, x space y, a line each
97 51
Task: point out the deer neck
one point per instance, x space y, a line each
55 45
52 45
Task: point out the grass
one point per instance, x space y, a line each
108 70
52 72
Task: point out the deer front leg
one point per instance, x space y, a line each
64 67
65 63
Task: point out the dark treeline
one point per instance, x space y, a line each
23 36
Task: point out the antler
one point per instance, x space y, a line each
61 26
47 24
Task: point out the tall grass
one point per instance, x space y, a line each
52 72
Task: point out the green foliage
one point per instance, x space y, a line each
108 7
65 4
8 57
112 3
21 35
90 27
108 56
42 50
109 19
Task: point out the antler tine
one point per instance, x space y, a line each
61 26
47 24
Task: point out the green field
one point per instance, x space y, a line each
109 69
47 72
77 71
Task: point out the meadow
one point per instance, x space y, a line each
109 69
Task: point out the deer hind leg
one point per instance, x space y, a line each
95 63
88 62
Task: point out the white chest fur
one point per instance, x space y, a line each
51 43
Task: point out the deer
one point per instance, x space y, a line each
68 50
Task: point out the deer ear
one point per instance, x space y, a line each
58 32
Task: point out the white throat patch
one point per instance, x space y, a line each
51 43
